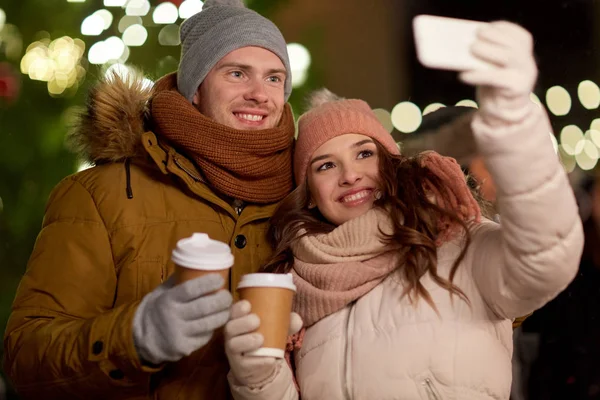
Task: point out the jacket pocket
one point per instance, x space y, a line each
150 274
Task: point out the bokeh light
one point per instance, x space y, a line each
406 117
165 13
127 21
558 100
588 157
467 103
535 99
385 118
56 62
106 16
189 8
299 63
589 94
125 73
568 161
115 3
571 139
169 36
92 25
135 35
2 18
593 136
137 7
433 107
115 47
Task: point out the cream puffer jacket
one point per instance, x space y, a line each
383 347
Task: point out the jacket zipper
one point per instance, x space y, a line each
190 173
431 394
347 355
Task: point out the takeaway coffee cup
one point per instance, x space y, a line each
199 255
270 296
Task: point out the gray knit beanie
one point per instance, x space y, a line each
221 27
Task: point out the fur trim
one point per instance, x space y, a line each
320 97
110 126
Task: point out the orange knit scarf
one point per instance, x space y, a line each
254 166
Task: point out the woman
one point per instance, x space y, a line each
405 290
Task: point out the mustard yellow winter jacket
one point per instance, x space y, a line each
106 241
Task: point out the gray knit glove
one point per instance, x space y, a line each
173 321
240 338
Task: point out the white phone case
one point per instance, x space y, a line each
444 43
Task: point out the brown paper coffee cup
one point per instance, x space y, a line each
183 274
270 296
199 255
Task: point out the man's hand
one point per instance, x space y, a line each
240 338
173 321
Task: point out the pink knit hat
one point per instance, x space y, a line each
332 118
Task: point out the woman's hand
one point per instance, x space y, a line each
240 338
504 84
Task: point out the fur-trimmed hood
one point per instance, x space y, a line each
109 127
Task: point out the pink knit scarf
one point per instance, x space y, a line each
334 269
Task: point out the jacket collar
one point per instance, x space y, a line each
169 161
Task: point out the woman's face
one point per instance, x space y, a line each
342 177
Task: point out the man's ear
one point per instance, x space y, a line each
196 98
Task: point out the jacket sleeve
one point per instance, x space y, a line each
534 253
280 386
64 339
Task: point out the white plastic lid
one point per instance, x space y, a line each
201 252
262 279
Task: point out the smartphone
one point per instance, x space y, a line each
444 43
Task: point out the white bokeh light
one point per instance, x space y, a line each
115 3
138 8
467 103
189 8
571 138
535 99
385 118
135 35
127 21
106 16
589 94
558 100
115 46
588 157
165 13
2 18
98 53
92 25
299 63
433 107
169 35
406 117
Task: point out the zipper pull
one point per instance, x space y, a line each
238 206
431 394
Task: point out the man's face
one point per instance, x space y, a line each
244 90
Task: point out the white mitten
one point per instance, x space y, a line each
504 87
240 338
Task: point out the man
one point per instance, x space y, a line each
206 150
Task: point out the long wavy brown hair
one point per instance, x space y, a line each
415 224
